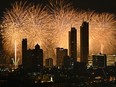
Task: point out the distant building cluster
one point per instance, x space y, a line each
33 58
97 68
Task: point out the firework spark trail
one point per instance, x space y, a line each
25 22
103 31
14 20
102 27
37 26
15 60
64 17
49 27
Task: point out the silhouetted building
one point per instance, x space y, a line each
84 42
60 54
38 56
73 43
32 59
111 60
49 62
79 67
24 53
99 61
66 62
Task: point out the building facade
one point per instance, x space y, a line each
24 53
60 54
32 59
73 44
84 42
49 62
99 61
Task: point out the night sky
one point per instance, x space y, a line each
97 5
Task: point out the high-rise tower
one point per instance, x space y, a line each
24 52
32 59
38 56
84 42
61 53
73 43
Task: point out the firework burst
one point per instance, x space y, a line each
13 25
22 21
103 32
64 17
49 27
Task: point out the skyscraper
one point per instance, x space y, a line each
24 52
38 56
60 54
84 42
32 59
73 44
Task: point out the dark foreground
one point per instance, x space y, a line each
16 83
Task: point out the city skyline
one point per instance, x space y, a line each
62 18
57 43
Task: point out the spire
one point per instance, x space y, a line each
37 46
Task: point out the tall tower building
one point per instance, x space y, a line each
38 56
84 42
60 54
24 52
73 43
32 58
